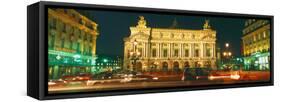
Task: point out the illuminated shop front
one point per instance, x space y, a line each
257 61
65 63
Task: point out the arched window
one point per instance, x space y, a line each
165 66
197 50
208 50
165 52
154 52
176 53
186 53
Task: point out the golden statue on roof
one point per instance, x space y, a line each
206 25
141 22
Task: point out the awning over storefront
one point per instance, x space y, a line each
69 59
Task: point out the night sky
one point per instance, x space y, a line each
113 26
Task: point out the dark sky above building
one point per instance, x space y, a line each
113 26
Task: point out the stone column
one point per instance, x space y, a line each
191 63
189 51
156 49
160 50
214 50
169 50
201 50
204 49
172 50
192 50
183 50
170 67
145 48
180 50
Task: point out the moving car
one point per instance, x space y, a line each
196 73
78 79
56 83
84 77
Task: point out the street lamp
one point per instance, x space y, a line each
224 53
134 55
135 42
227 54
226 45
105 60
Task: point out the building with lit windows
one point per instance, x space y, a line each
71 43
105 63
256 44
169 49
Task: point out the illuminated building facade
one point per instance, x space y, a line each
71 43
169 49
256 44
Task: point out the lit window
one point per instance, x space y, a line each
264 34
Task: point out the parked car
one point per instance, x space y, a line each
196 73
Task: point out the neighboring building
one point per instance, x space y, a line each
71 43
256 44
169 49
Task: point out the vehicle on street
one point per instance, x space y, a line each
196 73
78 79
56 83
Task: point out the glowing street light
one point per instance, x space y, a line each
105 60
224 53
229 53
226 45
135 42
